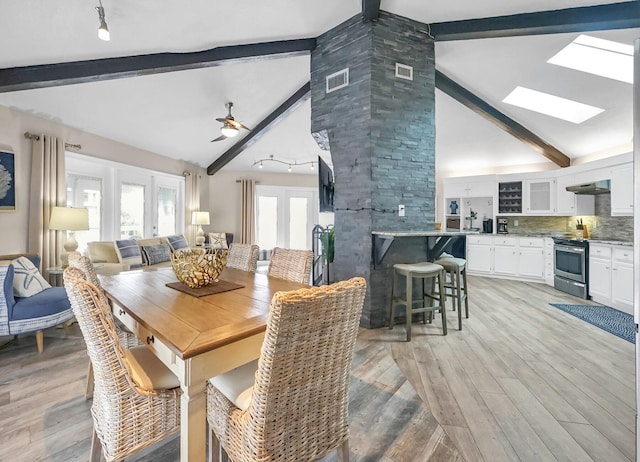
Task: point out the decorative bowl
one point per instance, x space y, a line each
198 267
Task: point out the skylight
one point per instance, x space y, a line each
601 57
553 106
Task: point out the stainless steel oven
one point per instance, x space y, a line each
571 267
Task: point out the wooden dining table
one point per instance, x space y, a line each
196 337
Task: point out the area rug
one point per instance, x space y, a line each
606 318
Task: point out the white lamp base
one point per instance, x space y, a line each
70 245
200 237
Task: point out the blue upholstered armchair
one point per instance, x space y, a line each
19 315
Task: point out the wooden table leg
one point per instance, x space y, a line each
193 422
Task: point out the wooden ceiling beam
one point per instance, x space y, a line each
624 15
51 75
282 111
370 10
506 123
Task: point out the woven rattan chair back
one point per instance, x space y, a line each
126 418
299 405
243 257
292 265
84 263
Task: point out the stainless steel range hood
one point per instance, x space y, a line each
595 187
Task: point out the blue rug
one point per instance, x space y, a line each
606 318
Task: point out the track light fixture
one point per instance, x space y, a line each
103 30
290 165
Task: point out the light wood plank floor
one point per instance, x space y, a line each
522 381
525 381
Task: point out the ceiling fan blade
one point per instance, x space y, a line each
220 138
221 119
237 125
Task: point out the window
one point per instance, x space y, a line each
124 202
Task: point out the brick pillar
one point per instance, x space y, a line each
381 131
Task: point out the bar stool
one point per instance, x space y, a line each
456 284
420 271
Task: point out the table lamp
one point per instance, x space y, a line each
200 218
69 219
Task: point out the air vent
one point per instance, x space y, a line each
337 80
404 72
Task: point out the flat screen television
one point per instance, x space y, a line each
325 182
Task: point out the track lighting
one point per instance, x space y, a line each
290 165
103 30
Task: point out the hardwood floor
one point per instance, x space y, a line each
525 381
522 381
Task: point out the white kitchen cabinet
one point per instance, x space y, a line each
539 196
479 254
571 204
471 189
622 190
622 279
505 255
531 258
611 276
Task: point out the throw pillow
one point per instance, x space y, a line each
218 240
27 280
177 242
129 253
156 253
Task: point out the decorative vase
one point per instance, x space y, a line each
454 207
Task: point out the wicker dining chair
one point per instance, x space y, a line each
136 399
292 265
127 338
243 257
292 403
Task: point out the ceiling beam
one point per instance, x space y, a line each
290 105
50 75
493 115
623 15
370 10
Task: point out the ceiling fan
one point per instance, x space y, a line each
230 126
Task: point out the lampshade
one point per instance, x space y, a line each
69 219
200 218
229 130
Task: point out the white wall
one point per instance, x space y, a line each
224 195
13 125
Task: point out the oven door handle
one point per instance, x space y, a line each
570 249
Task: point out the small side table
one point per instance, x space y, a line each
55 275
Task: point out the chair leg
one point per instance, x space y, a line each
409 306
459 298
40 341
466 294
96 448
88 394
392 311
343 452
443 309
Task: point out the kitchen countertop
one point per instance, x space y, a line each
593 241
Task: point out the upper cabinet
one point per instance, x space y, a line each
622 190
471 189
540 196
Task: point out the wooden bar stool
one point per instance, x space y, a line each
420 271
456 284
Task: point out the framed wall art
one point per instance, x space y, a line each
7 182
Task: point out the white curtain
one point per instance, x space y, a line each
248 212
192 196
48 189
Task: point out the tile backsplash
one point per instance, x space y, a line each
601 226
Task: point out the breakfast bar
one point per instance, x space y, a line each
436 241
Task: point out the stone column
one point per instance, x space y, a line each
381 132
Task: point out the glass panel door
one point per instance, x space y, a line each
132 201
84 191
267 222
167 198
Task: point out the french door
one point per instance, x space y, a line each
285 216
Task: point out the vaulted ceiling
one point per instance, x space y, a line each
173 113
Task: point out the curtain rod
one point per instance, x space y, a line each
31 136
240 181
